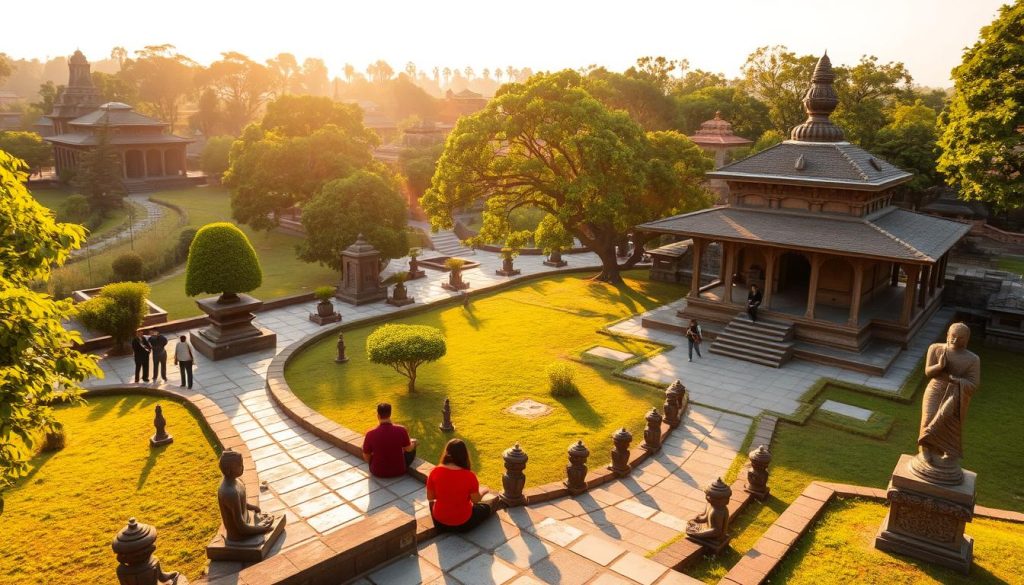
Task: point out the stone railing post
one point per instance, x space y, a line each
652 434
676 394
446 417
757 474
513 480
134 546
620 454
576 471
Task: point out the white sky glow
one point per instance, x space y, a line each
927 35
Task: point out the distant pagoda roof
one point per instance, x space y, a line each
116 114
78 58
718 132
816 153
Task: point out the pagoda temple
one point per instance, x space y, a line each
716 138
847 277
150 155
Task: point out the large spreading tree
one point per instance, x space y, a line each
38 364
549 144
982 138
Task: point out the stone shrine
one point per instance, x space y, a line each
360 271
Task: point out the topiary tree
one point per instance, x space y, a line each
221 260
127 267
117 311
405 348
551 236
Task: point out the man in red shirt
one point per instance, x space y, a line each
388 448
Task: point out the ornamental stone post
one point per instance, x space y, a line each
652 434
446 417
134 546
620 454
342 358
160 437
757 474
513 480
671 409
576 471
677 391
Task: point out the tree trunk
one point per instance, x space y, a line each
639 241
609 266
412 381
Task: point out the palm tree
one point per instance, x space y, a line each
350 72
447 75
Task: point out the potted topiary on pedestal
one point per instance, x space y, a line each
507 269
222 261
455 282
414 265
400 297
552 237
325 308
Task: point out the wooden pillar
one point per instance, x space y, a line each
942 270
124 165
933 281
812 287
856 293
922 293
145 164
698 257
729 251
894 278
770 258
908 294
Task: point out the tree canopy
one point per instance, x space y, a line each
549 144
29 147
982 131
221 260
38 364
405 348
362 203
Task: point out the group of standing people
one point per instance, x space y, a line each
151 347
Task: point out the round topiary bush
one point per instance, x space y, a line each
221 260
562 379
323 293
405 348
184 243
127 267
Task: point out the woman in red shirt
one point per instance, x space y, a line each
454 492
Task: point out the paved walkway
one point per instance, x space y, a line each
153 213
600 537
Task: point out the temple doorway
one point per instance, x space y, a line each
794 273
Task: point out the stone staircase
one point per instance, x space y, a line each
448 244
769 343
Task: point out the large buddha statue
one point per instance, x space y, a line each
955 374
239 524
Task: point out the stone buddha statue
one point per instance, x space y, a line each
239 524
955 374
711 527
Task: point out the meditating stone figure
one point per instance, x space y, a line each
711 527
239 525
955 375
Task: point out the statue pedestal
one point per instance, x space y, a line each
926 520
253 549
231 331
713 546
155 442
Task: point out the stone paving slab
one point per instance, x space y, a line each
844 409
609 353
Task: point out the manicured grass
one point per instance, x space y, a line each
1011 264
498 350
816 451
283 273
840 549
60 519
54 198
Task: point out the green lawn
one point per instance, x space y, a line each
54 198
840 549
1011 264
498 349
283 273
814 451
60 519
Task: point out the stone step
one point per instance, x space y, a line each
748 357
771 328
753 348
741 331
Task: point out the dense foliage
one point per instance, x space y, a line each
551 235
405 348
37 361
98 176
214 159
221 260
363 203
127 267
549 144
117 311
29 147
982 131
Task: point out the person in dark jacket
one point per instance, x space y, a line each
141 349
158 343
753 302
694 338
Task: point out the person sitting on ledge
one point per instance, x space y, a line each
388 448
453 491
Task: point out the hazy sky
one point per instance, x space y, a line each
927 35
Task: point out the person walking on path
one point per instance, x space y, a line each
140 350
387 447
753 302
184 360
453 491
158 343
694 338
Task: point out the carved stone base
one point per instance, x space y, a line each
712 546
414 274
319 320
155 442
401 302
231 331
926 520
266 339
252 550
558 264
458 287
513 272
362 297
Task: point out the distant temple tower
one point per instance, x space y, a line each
79 97
716 138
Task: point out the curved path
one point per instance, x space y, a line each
154 213
600 537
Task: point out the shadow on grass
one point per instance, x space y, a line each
581 411
154 454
